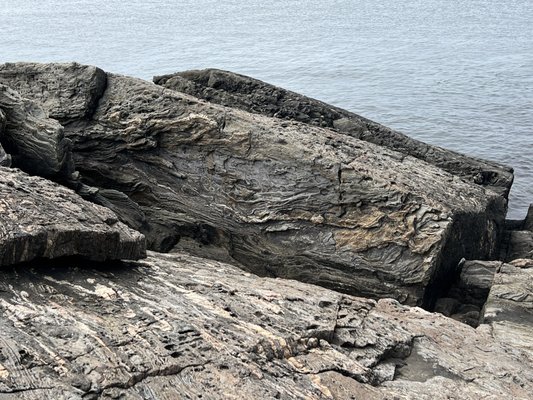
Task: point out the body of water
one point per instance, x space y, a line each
458 74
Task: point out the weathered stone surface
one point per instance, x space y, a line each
517 239
509 307
35 142
175 326
281 198
520 245
69 96
476 276
41 219
234 90
5 159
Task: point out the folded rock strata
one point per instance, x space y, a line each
41 219
239 91
35 142
80 86
282 198
176 326
5 159
509 307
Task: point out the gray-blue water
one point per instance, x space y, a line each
458 74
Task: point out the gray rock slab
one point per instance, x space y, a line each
509 307
72 94
36 143
253 95
176 326
520 245
282 198
40 219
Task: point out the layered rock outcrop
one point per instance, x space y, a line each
276 197
41 219
509 306
176 326
246 93
35 142
282 198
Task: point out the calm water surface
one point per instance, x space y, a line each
458 74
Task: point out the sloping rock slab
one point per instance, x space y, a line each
41 219
509 307
179 327
253 95
282 198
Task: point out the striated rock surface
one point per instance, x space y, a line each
509 307
66 97
35 142
517 238
239 91
41 219
176 326
5 159
281 198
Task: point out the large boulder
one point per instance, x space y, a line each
67 97
35 142
175 326
282 198
253 95
41 219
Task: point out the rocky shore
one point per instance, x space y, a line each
295 249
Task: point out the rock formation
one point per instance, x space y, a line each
282 198
41 219
80 87
35 142
509 306
245 93
176 326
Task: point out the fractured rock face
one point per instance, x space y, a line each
35 142
66 97
41 219
282 198
176 326
239 91
509 307
5 159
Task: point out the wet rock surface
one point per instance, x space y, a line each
281 198
177 326
41 219
239 91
